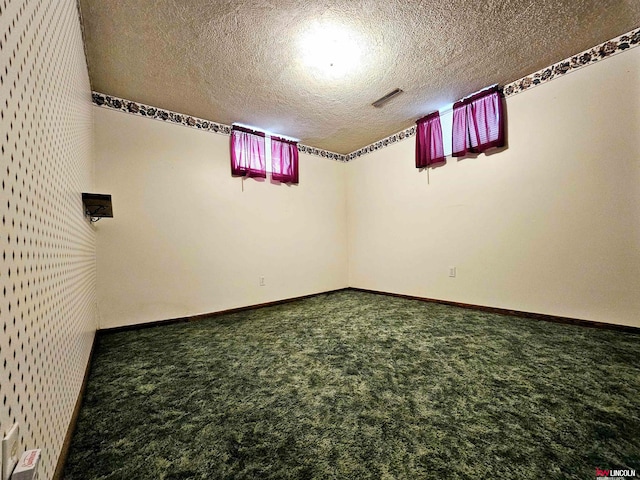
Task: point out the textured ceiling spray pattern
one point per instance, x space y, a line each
245 61
47 247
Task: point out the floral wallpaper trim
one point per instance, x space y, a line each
322 153
143 110
385 142
135 108
592 55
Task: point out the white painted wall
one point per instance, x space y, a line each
186 239
550 225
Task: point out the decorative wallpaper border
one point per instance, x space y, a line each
592 55
136 108
385 142
322 153
588 57
143 110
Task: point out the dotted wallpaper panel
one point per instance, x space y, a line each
48 311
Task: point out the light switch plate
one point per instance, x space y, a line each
10 451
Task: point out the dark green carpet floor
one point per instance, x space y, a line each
351 385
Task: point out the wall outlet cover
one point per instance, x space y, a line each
10 456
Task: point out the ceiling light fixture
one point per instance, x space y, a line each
330 49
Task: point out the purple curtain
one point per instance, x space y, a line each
429 149
284 160
247 153
459 130
478 123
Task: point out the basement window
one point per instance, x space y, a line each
446 121
254 153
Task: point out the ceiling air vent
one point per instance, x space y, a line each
382 100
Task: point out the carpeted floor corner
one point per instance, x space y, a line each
352 385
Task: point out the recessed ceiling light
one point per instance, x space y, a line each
330 50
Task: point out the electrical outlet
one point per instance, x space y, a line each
10 451
262 281
452 271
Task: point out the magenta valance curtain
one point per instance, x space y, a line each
284 160
429 148
247 153
478 123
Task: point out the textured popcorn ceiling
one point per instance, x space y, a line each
239 61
